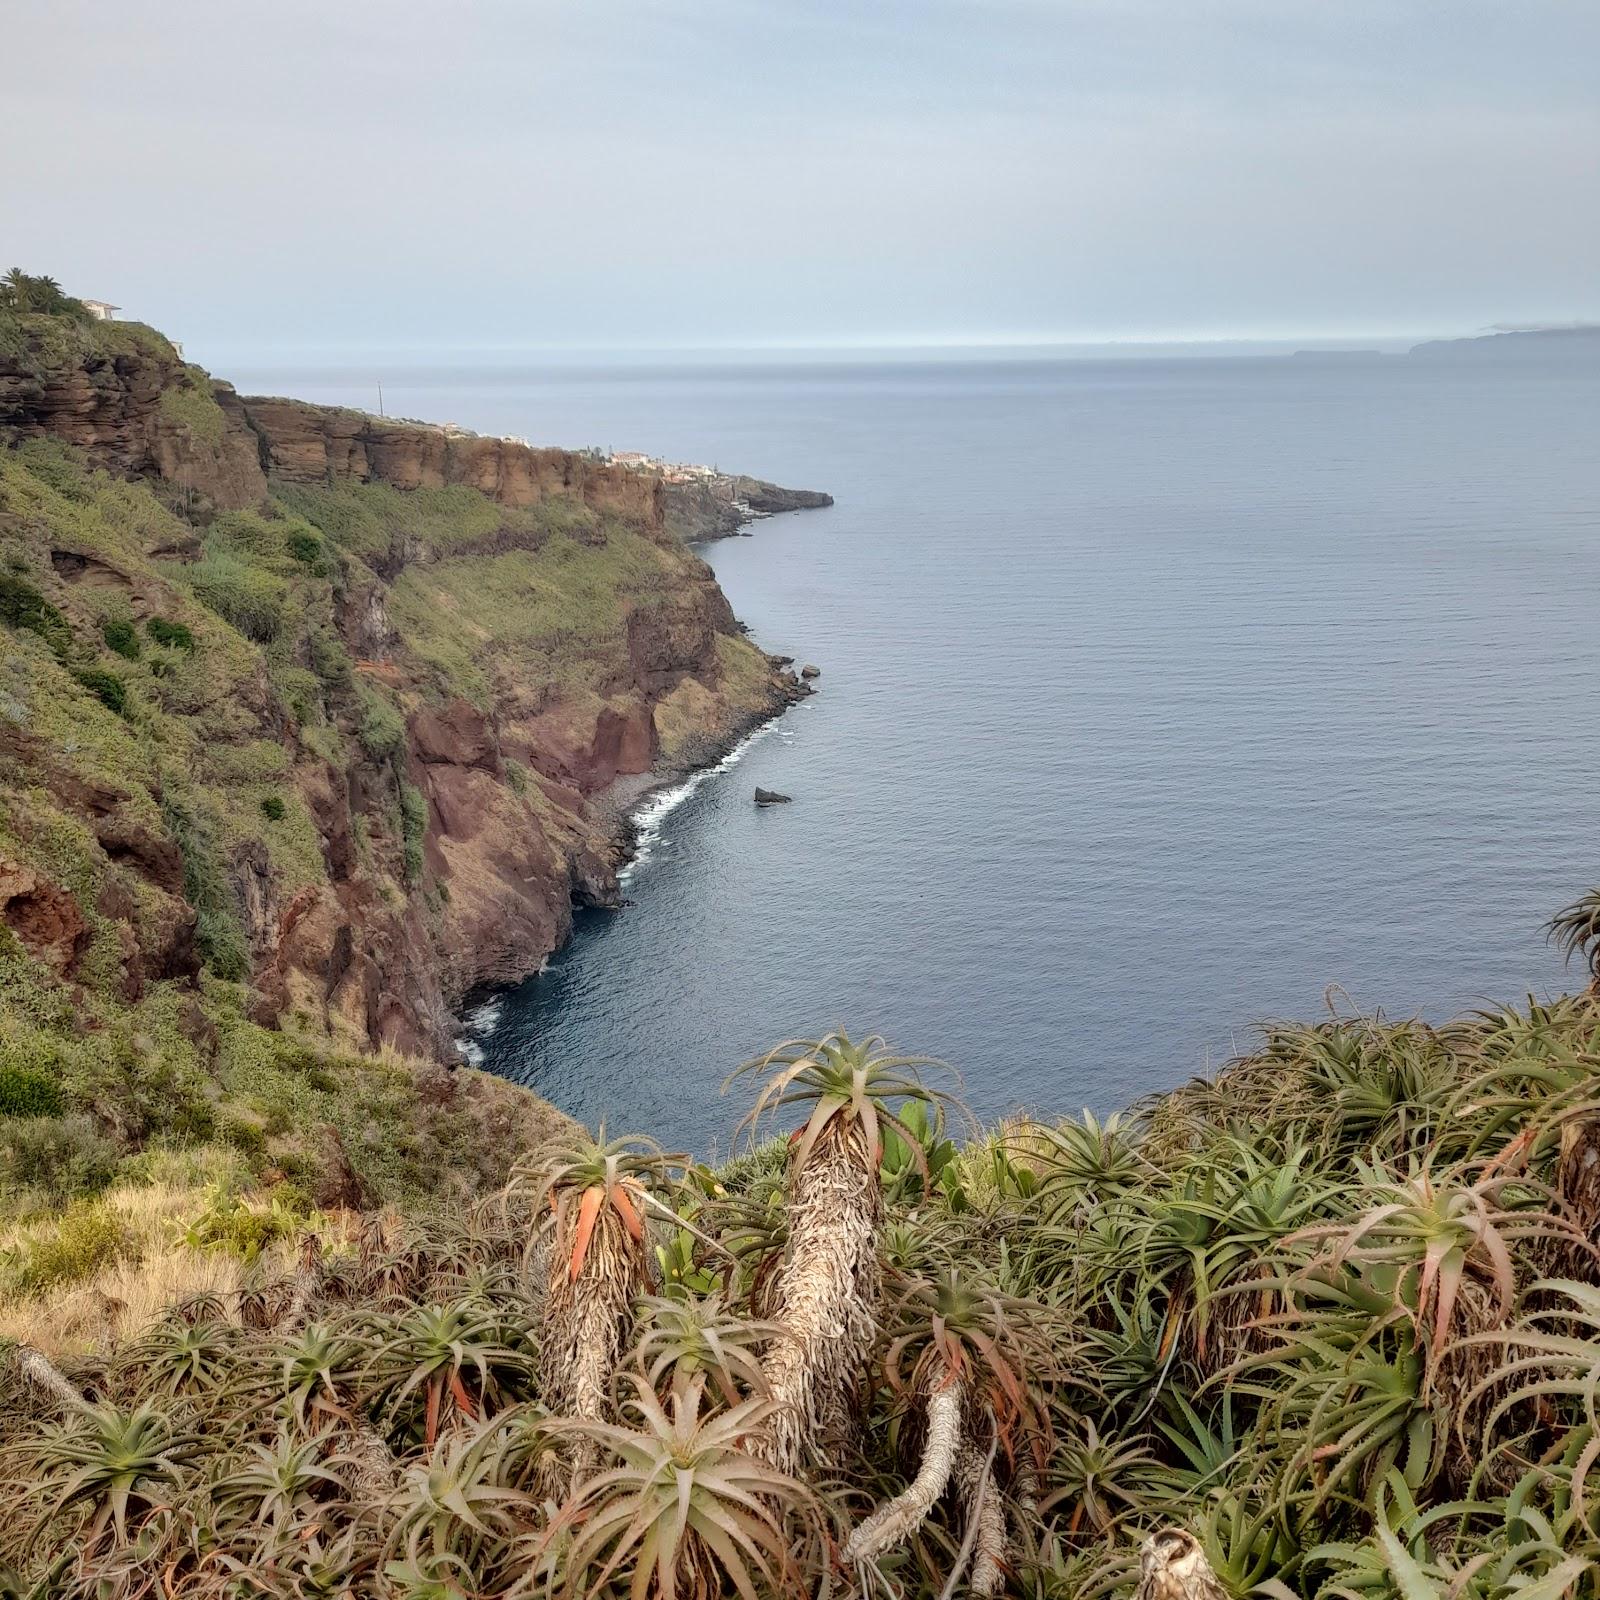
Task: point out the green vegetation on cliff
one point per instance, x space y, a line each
45 339
228 941
257 726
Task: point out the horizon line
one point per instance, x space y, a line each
441 352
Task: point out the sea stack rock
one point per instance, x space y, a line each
771 797
809 671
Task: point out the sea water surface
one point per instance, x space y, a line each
1157 697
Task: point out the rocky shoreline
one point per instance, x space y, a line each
619 812
701 503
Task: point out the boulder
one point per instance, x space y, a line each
771 797
809 671
457 734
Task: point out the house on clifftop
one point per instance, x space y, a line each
101 310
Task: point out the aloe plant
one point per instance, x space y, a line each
683 1509
827 1293
599 1263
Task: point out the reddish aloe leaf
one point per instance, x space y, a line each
458 1391
588 1210
625 1210
435 1389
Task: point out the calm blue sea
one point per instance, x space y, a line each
1157 697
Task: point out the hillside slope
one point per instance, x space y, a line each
308 723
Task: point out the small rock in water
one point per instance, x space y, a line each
771 797
809 671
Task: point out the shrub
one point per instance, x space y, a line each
330 660
87 1238
27 1092
23 607
227 1224
383 730
120 636
170 633
246 1136
59 1156
273 809
106 687
305 546
251 600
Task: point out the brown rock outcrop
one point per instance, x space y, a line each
107 392
313 444
43 917
457 734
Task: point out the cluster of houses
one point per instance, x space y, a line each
671 471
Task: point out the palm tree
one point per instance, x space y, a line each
24 291
828 1285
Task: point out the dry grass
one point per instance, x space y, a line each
152 1269
118 1303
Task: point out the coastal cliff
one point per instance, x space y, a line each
323 705
703 504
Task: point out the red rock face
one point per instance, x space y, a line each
310 444
43 916
110 407
456 735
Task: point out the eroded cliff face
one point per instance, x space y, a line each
311 444
326 703
122 394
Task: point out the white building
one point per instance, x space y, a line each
102 310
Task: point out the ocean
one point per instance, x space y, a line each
1158 698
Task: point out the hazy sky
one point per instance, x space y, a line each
339 173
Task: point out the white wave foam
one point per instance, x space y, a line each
484 1017
649 816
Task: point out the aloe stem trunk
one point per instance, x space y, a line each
827 1297
39 1370
896 1520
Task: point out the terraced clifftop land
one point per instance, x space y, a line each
308 718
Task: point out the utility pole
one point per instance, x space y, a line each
380 399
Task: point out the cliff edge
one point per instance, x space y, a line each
321 705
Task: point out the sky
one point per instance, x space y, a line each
502 175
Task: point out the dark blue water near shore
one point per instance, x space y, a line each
1157 697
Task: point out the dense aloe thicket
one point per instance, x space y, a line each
1334 1314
